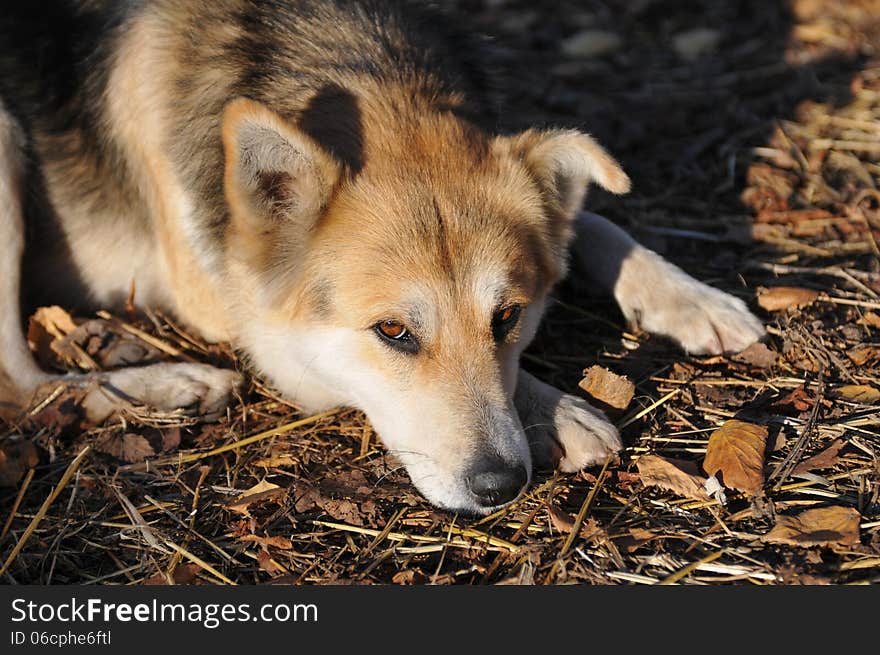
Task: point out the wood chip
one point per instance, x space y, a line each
776 299
607 387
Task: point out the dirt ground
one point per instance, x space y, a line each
751 131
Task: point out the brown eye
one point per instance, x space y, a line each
392 329
504 320
396 335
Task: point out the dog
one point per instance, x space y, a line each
318 182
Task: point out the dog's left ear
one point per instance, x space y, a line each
275 173
564 163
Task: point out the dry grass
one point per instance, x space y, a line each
756 165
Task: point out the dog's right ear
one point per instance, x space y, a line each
275 174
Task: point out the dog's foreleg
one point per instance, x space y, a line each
659 296
562 430
19 373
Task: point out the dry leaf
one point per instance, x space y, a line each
16 457
862 354
757 355
184 574
870 319
858 393
634 540
608 387
343 510
823 526
132 448
408 577
277 461
170 439
777 298
266 563
798 400
736 451
564 522
46 327
260 492
561 520
826 459
678 476
281 543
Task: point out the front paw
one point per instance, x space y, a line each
701 319
571 436
195 390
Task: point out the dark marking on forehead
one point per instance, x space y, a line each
442 242
320 298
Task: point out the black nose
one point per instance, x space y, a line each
496 482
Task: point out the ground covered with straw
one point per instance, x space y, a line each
752 133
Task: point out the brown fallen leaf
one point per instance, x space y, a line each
736 452
184 574
408 577
273 461
634 539
826 459
797 401
170 438
681 477
46 327
870 319
131 448
266 563
560 519
858 393
862 354
343 510
564 522
822 526
281 543
607 387
16 457
775 299
758 355
260 492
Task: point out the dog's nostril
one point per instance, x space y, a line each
496 482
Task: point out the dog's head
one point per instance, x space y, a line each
408 285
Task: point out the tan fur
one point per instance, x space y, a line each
138 91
